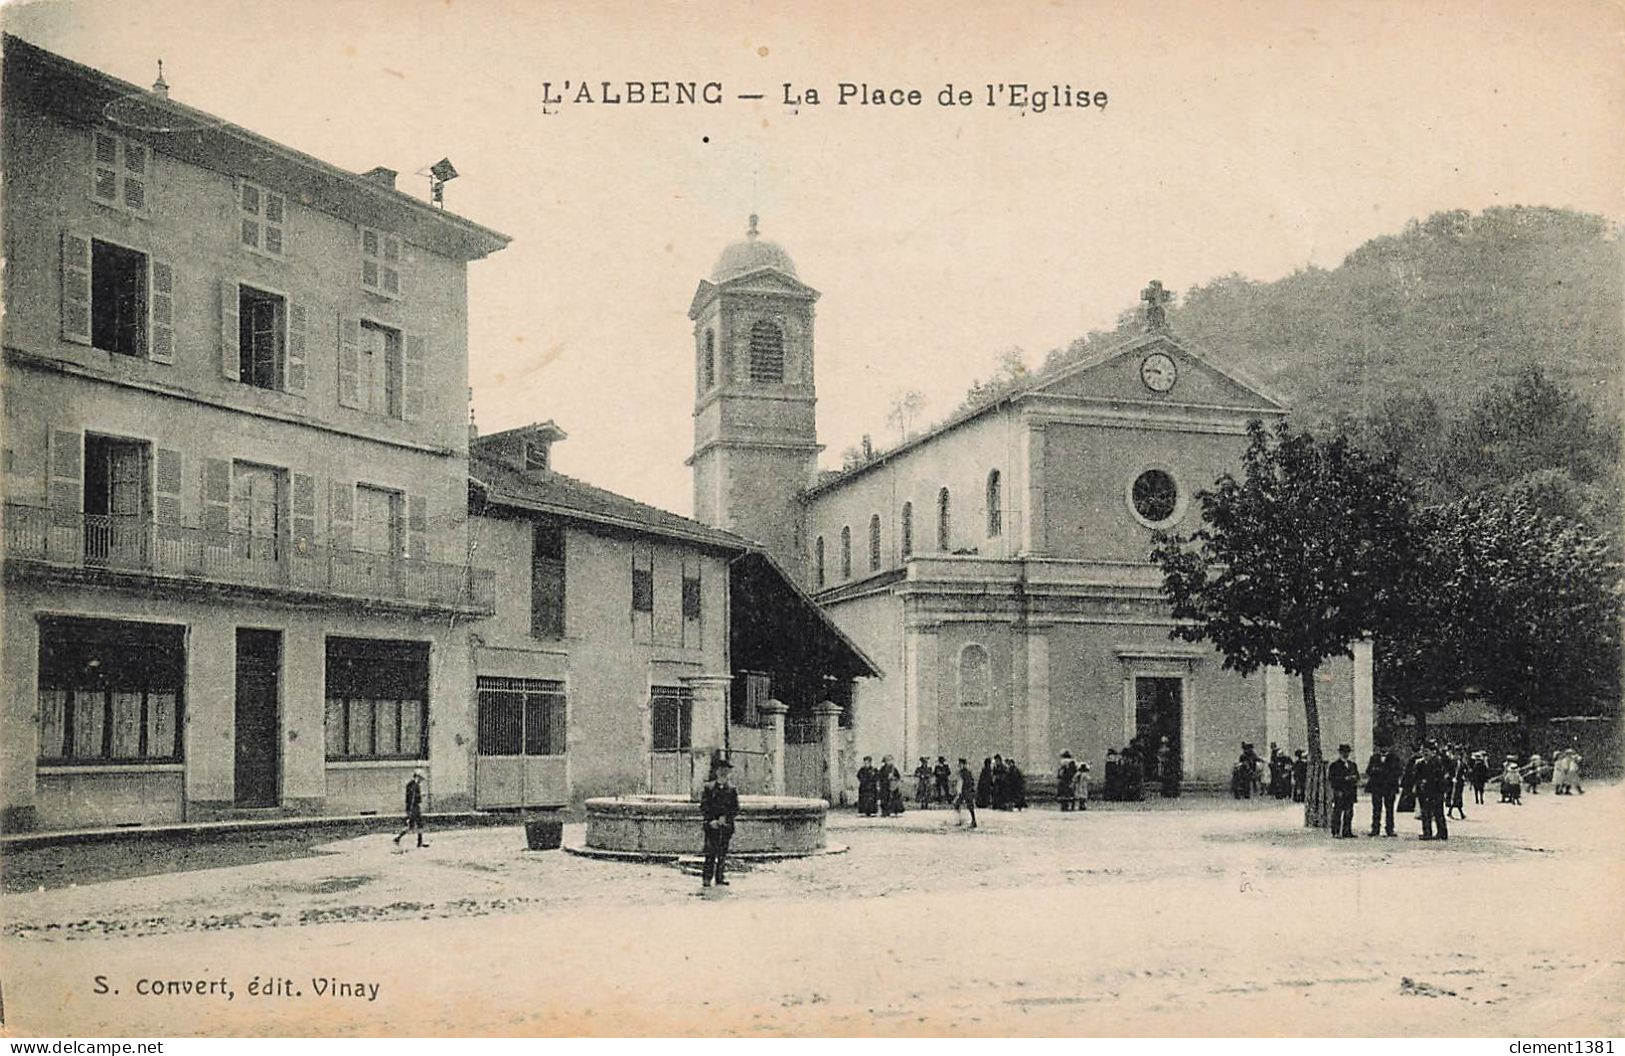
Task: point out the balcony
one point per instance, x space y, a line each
94 546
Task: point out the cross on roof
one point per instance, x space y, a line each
1156 305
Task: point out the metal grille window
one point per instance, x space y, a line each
846 553
521 716
377 699
944 521
110 691
874 542
766 352
671 718
908 529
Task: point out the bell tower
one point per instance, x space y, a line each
755 437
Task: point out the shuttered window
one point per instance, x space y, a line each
119 172
874 542
380 262
547 584
766 352
262 219
908 529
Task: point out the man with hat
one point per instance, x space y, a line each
1382 779
1432 785
414 808
719 803
1344 777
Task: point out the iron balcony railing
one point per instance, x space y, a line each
136 546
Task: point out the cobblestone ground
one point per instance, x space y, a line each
1199 917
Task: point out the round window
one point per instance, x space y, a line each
1155 496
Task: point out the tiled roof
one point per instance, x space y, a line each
550 492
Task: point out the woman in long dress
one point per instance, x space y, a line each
868 787
984 785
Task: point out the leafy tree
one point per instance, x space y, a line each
1419 653
1537 600
1295 561
1010 372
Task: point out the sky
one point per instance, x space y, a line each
1255 138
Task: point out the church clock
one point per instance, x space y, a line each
1159 372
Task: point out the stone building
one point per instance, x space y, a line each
996 567
629 644
237 564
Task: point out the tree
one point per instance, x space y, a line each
1295 562
904 407
1537 599
1420 655
1009 373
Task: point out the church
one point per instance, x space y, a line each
995 567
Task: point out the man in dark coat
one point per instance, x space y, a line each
414 808
943 774
984 785
1300 775
1383 774
1015 786
1432 786
719 803
1001 791
1344 777
1065 779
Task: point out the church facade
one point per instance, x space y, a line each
996 567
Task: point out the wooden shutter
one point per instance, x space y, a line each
349 367
412 370
340 513
417 527
67 476
161 312
298 328
166 484
275 210
304 513
216 499
104 168
231 336
136 157
76 287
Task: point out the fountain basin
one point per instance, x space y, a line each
663 828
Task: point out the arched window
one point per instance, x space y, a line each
846 553
943 522
908 529
766 352
973 677
874 542
708 360
995 516
818 561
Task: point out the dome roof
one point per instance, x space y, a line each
750 254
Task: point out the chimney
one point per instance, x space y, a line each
868 447
382 175
160 87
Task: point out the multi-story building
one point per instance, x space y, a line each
629 644
237 565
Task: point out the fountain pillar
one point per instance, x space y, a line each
829 717
774 711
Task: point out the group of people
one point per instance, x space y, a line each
1143 762
1282 776
1000 786
1433 782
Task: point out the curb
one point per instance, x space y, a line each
205 831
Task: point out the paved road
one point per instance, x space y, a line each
1207 919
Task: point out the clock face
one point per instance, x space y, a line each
1159 372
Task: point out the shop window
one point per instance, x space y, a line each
377 699
110 691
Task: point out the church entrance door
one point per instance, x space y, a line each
1158 707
